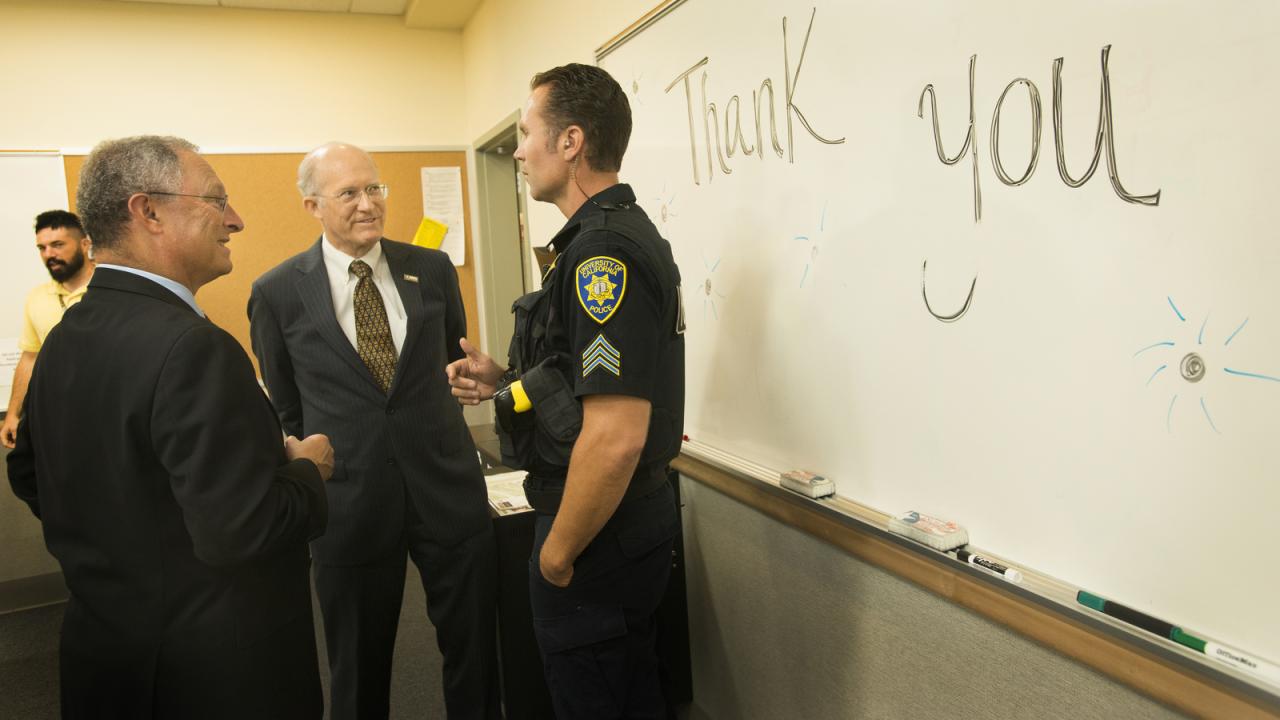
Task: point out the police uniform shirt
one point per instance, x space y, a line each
610 305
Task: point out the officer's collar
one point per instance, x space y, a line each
614 197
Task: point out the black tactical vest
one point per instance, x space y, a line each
540 357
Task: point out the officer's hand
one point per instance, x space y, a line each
315 448
9 431
554 572
473 378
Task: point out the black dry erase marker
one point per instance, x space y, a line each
1007 573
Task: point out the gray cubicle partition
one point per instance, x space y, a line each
783 625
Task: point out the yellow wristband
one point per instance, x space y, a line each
522 399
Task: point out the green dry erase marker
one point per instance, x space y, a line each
1230 656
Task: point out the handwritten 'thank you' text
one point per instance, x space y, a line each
734 138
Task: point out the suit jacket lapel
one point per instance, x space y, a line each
411 294
317 297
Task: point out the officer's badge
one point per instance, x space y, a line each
602 283
601 354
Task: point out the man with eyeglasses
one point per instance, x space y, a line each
64 250
353 336
157 467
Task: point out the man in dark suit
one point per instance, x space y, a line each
353 336
155 462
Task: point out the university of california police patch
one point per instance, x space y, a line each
602 283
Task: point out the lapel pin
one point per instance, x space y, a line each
411 278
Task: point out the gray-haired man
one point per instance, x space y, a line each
155 462
353 336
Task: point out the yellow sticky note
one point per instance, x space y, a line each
430 233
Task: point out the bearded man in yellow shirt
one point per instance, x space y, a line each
64 250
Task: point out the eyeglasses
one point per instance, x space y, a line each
351 196
219 202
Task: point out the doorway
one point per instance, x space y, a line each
507 266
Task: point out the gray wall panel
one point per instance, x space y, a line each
785 626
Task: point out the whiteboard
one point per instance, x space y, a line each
30 183
1104 409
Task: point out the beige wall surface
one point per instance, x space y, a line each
506 42
78 71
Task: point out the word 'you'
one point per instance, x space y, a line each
1105 136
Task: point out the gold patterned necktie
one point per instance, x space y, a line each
373 332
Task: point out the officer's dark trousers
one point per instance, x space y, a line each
361 609
597 635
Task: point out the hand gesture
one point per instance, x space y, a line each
475 377
9 430
315 448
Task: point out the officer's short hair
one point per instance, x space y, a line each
586 96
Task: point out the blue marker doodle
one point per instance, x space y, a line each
813 251
1242 373
1206 415
709 293
1192 365
1166 343
1232 336
1157 372
666 208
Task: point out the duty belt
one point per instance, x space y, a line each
544 493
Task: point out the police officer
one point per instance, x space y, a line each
592 405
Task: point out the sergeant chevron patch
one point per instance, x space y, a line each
600 354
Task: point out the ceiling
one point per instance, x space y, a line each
425 14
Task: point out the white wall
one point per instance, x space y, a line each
77 71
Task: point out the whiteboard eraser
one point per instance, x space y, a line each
926 530
807 483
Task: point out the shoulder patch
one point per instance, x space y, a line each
601 354
602 284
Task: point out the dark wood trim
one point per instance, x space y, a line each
1124 657
636 27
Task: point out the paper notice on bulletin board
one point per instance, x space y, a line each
442 201
9 354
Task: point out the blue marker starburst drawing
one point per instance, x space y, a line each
709 292
666 205
635 89
812 257
1192 364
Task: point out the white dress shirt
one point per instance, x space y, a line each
342 285
172 286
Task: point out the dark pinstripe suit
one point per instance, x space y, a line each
156 467
406 478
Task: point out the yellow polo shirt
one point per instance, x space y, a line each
44 308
